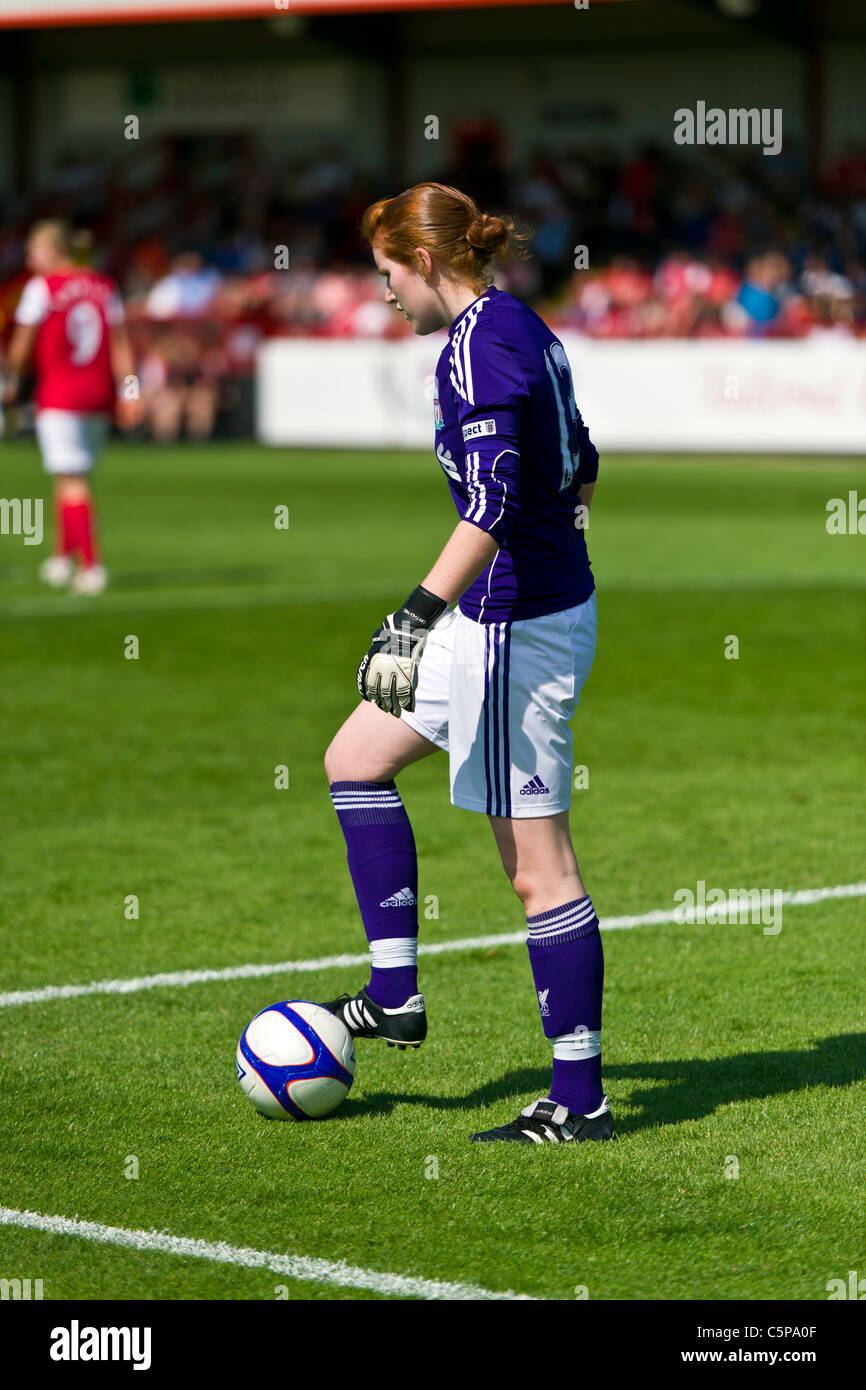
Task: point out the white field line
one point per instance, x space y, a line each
318 1271
250 596
213 596
172 978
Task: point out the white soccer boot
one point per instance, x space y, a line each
89 581
56 571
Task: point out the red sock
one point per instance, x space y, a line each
79 529
61 529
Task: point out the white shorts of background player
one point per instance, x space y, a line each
70 441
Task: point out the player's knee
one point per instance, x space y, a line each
71 488
342 764
331 762
523 884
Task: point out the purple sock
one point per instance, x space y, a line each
384 867
567 962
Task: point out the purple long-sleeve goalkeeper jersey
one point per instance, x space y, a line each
515 451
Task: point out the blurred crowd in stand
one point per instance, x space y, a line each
215 249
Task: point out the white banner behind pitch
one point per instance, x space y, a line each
789 397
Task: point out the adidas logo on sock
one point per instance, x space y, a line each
405 898
534 787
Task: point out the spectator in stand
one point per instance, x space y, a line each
693 292
180 379
832 298
186 291
760 300
709 242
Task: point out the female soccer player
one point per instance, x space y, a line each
69 324
494 681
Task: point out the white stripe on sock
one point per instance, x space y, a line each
578 1046
570 917
393 952
361 805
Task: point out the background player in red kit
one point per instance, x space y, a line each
69 325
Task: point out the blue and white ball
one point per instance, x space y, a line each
296 1061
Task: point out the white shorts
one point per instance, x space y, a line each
70 441
498 698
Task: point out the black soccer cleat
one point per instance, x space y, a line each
545 1122
364 1018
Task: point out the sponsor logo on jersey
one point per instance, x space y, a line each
405 898
534 787
438 417
478 427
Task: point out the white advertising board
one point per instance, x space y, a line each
702 396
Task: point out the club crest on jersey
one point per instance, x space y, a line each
478 427
438 417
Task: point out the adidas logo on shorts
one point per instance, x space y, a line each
405 898
534 787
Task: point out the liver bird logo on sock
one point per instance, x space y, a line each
542 1002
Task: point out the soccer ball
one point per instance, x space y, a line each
295 1061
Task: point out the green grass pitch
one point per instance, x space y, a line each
725 1049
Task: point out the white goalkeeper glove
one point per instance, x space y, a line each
388 674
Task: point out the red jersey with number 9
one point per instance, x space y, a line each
73 312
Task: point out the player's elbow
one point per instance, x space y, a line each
493 524
587 471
